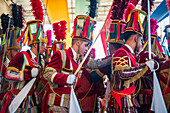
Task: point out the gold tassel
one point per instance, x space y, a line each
136 77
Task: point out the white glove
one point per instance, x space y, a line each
150 64
34 72
71 79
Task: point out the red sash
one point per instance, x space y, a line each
16 91
8 98
118 95
28 58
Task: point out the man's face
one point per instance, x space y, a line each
111 49
83 48
42 48
14 52
139 43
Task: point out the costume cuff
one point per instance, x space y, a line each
52 77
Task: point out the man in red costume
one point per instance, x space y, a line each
11 50
3 82
126 72
21 70
60 71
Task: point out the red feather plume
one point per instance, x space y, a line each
154 25
56 29
118 9
63 29
168 5
130 7
144 5
49 35
37 9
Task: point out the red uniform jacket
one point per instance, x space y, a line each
19 74
122 84
58 92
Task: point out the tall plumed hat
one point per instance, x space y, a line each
33 33
155 39
49 40
5 21
12 36
117 27
49 45
167 34
136 21
166 37
59 29
83 27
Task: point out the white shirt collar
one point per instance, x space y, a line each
74 54
131 50
7 61
139 52
32 54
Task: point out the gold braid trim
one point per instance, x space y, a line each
89 71
99 73
137 90
13 69
136 77
121 60
88 63
120 57
120 67
50 68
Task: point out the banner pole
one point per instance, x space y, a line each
149 34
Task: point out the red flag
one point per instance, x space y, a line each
105 31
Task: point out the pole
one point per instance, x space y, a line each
7 33
149 34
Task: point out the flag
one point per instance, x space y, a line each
158 104
74 105
105 31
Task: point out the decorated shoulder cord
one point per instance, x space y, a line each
139 81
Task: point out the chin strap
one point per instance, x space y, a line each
135 51
78 54
11 55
